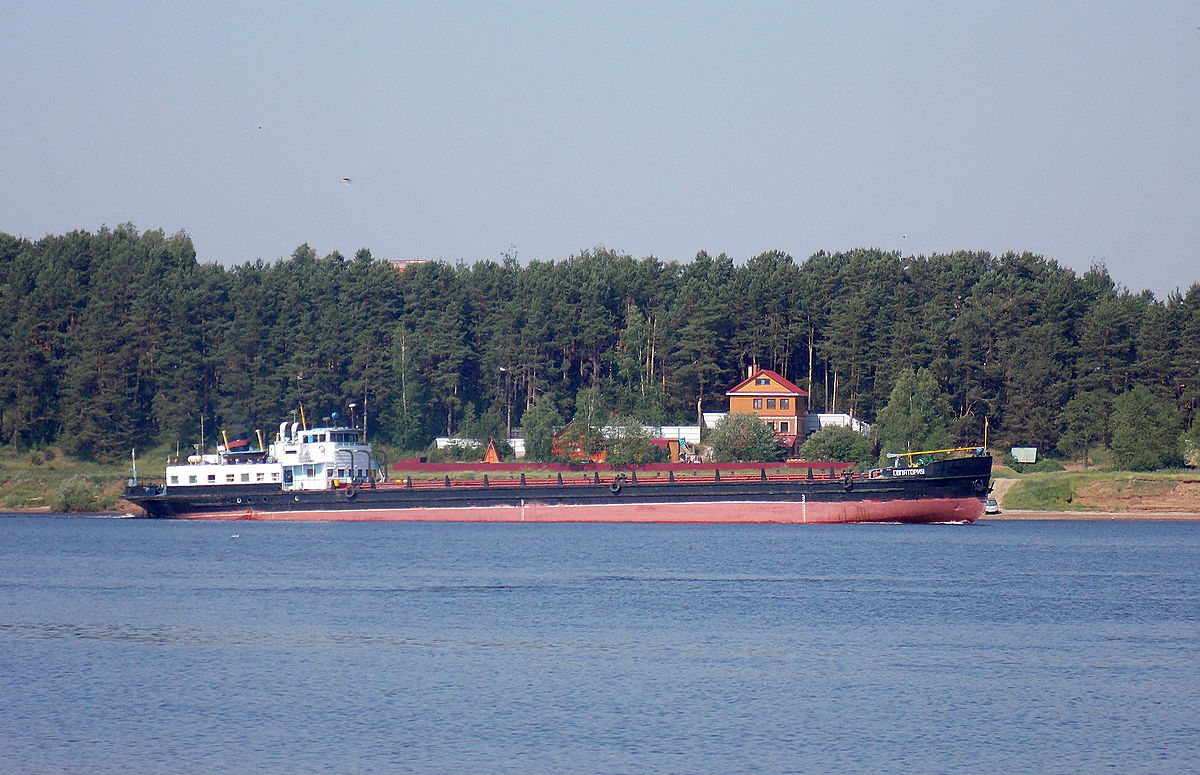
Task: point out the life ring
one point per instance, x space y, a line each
321 449
351 492
239 501
980 486
615 487
848 481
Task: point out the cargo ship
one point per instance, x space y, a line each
330 474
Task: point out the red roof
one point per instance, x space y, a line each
784 383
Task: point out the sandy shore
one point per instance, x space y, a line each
1098 516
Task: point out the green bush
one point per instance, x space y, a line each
740 438
1041 494
75 494
456 453
627 441
1044 465
839 444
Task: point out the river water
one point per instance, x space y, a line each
149 646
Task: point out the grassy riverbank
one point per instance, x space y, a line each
1098 491
48 480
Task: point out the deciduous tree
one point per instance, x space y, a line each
744 438
1145 431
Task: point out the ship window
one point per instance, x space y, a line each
212 478
323 437
785 403
310 471
192 479
229 477
274 476
758 403
783 426
174 480
341 472
258 477
245 477
329 472
762 381
770 403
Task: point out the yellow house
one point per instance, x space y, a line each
778 401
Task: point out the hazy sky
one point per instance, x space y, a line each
658 128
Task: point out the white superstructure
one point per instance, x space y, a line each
298 459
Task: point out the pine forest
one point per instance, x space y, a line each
122 339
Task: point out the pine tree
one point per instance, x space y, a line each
917 415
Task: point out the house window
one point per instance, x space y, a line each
758 403
770 403
771 423
785 403
762 381
783 426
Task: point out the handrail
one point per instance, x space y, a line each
910 455
588 482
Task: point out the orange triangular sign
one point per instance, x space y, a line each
491 456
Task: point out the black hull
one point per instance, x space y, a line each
952 490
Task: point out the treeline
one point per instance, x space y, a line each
121 339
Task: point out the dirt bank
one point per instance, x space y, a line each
1119 498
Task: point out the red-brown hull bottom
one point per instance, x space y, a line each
735 512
